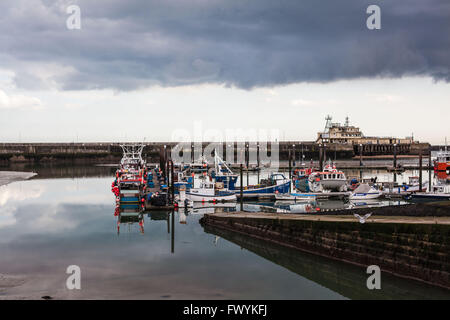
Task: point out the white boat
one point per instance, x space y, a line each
210 192
440 192
330 179
412 186
181 200
299 197
365 192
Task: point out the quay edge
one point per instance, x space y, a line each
406 246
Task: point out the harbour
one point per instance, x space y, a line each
224 159
158 199
170 254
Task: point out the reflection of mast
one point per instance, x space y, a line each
172 238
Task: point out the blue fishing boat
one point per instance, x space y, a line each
277 183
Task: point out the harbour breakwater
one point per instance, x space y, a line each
409 247
153 151
347 280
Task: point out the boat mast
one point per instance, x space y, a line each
218 162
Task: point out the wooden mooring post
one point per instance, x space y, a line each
320 158
241 190
290 168
395 156
420 169
172 236
429 171
172 187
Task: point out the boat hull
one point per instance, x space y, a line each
365 196
198 197
429 197
265 191
295 196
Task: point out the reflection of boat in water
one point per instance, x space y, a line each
292 207
130 217
331 205
305 197
209 207
368 203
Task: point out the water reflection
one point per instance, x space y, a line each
54 223
344 279
316 206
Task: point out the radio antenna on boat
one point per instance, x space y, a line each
218 162
132 151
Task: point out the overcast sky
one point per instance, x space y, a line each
140 69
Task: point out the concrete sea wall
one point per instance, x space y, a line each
111 152
419 251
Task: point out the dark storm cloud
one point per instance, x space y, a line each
126 45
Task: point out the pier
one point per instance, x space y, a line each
106 152
410 241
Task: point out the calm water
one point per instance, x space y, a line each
49 223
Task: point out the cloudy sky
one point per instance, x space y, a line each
148 69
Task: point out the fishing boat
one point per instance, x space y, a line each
440 192
132 172
210 192
276 183
406 188
330 179
365 192
442 162
181 200
222 173
199 166
131 177
300 179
